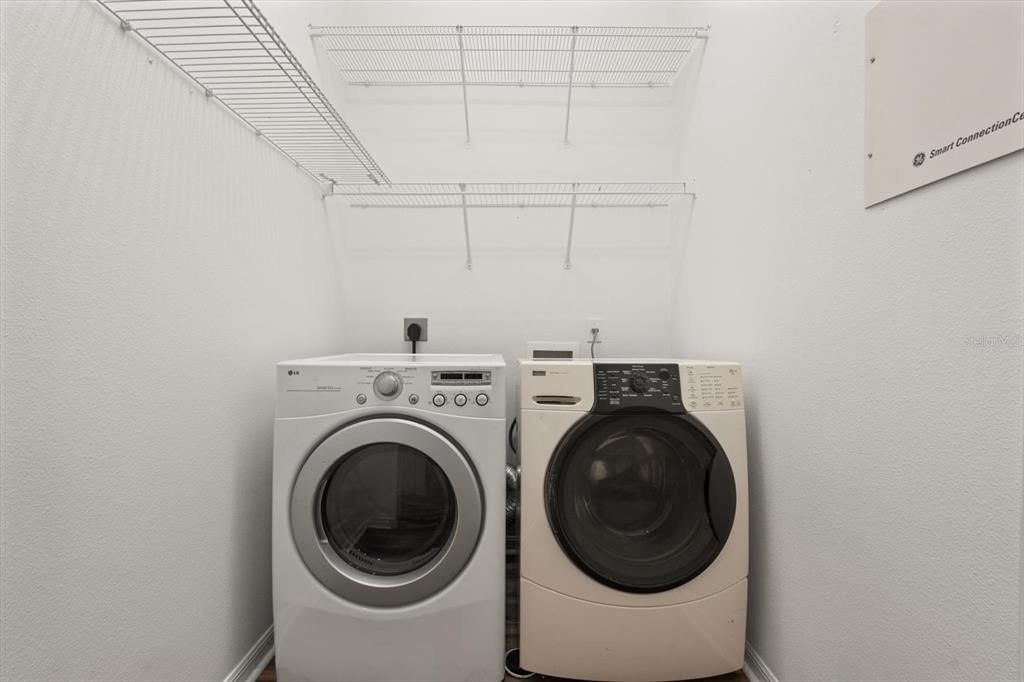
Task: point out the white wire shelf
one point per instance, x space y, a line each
534 56
522 56
552 195
512 194
230 50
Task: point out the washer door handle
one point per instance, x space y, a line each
721 496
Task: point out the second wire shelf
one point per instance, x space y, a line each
467 195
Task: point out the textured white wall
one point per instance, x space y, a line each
886 446
157 259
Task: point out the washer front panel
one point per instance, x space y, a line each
641 502
373 585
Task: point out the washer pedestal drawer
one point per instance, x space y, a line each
567 637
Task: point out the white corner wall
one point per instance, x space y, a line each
882 353
157 260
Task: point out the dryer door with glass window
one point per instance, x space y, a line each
386 511
640 502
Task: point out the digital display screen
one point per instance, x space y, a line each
471 378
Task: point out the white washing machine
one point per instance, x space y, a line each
388 518
634 519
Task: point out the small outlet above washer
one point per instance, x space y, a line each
595 334
421 321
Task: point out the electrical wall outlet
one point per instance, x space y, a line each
592 324
421 321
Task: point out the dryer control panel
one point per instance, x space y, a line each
456 391
620 386
307 388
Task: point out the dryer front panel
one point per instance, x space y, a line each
386 511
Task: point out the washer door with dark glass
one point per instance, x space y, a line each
641 502
386 511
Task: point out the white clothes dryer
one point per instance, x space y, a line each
388 518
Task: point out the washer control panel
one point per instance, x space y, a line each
644 386
712 387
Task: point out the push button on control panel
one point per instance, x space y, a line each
482 399
439 400
460 400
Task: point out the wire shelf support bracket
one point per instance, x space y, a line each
572 223
475 195
520 56
462 71
465 227
572 66
230 50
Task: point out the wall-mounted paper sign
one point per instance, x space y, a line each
944 90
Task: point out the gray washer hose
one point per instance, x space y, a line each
511 492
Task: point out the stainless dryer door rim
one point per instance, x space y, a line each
345 580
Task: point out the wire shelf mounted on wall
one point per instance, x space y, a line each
515 195
233 53
521 56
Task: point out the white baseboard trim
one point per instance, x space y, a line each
755 668
255 660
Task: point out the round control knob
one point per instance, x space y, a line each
387 385
482 399
460 399
664 375
638 382
438 400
